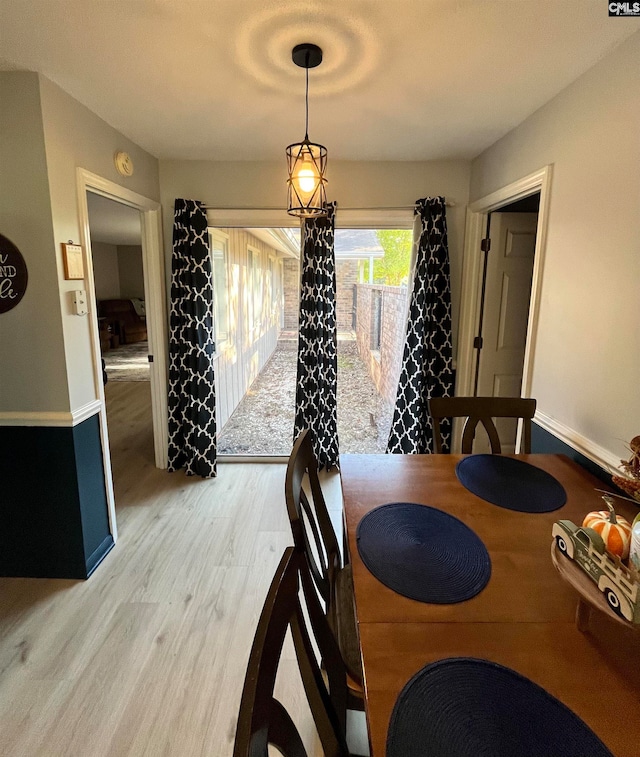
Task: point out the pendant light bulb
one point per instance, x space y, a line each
307 177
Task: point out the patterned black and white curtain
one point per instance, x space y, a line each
427 369
192 394
316 387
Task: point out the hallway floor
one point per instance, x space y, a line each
148 656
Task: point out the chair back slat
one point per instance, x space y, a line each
262 719
326 582
482 410
283 733
318 563
323 553
469 433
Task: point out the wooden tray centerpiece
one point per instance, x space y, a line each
601 578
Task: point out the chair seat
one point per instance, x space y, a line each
346 630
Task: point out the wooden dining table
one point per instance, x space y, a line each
525 616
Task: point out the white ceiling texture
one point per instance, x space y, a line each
401 79
112 222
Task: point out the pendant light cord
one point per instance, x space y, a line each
306 103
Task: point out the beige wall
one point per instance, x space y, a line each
76 138
106 271
130 271
351 184
587 360
32 367
45 136
117 271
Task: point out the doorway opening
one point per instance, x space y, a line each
118 276
504 309
149 221
500 297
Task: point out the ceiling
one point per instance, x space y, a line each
400 80
112 222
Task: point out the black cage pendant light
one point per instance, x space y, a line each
307 161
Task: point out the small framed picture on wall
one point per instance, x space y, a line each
73 261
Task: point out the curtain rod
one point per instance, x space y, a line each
273 207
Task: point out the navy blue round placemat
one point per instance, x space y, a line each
511 483
423 553
464 707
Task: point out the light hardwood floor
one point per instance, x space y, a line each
148 656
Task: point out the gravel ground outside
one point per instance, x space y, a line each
262 424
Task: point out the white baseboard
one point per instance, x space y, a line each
86 411
597 454
51 419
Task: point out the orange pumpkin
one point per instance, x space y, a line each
615 531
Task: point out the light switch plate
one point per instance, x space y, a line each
80 302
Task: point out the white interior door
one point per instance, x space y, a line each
506 312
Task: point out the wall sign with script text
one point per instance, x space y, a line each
13 275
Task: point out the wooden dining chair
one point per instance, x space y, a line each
314 536
481 410
263 720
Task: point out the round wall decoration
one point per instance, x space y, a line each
124 164
13 275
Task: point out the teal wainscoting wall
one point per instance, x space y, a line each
543 441
53 503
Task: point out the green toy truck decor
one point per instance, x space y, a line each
620 586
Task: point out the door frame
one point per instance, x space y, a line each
155 306
476 224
